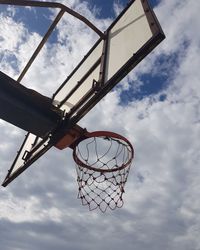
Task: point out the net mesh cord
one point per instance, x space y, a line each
102 165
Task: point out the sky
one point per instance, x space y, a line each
156 108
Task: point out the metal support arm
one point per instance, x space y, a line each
53 5
63 9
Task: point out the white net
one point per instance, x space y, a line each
103 164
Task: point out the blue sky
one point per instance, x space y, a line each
157 108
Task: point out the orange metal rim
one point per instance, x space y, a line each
103 134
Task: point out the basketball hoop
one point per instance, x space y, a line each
103 161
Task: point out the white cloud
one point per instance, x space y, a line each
118 7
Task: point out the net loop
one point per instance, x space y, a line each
103 161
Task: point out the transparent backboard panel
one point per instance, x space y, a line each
90 61
26 147
23 157
125 38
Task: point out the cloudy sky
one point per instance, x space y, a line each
157 109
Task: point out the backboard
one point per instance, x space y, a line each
127 41
131 37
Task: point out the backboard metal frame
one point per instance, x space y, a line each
100 87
